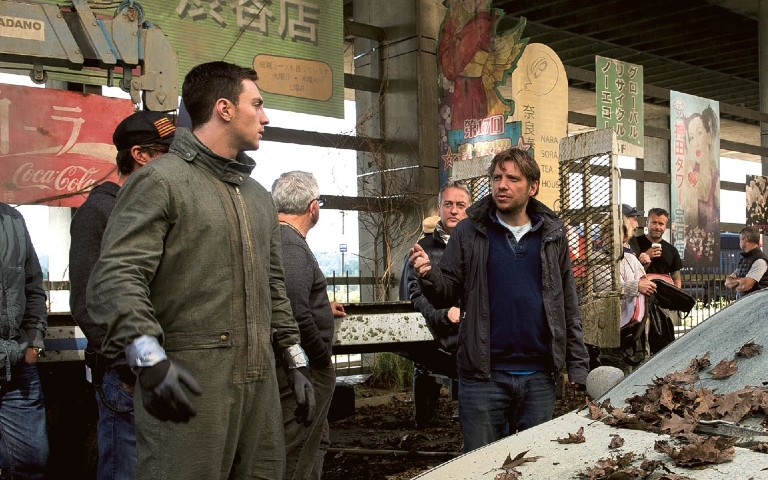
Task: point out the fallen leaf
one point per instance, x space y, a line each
699 363
676 424
520 459
724 369
711 450
616 441
760 447
595 412
577 437
749 350
507 476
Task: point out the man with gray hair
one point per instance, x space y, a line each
297 199
752 272
452 201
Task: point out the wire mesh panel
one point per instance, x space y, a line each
474 173
590 210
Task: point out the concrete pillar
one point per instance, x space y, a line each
657 159
762 28
405 114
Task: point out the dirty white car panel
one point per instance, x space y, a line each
722 335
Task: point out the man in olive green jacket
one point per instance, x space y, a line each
190 287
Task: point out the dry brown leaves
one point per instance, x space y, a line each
509 466
620 467
711 450
616 441
749 350
674 405
577 437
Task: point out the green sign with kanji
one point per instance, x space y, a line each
619 102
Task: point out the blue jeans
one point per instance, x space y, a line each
23 438
506 404
117 434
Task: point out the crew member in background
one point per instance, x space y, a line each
443 323
752 271
656 254
629 216
23 437
509 264
190 287
297 199
139 138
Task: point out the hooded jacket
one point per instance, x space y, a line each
462 274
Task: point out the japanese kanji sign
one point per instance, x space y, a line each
54 145
619 102
306 36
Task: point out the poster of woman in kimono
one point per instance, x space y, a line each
696 170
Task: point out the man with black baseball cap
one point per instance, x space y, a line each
139 138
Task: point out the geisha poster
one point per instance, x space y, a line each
695 189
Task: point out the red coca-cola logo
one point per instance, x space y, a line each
72 178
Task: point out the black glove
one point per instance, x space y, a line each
162 394
301 384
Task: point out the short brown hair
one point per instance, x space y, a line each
524 161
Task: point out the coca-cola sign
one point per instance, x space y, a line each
56 145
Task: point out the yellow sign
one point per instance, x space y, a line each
294 77
539 88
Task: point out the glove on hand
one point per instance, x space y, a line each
301 383
162 394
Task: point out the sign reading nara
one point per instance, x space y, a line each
55 145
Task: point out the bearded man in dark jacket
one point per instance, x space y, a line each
509 264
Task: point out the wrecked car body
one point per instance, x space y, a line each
697 409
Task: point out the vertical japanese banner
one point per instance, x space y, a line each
695 169
619 103
296 46
474 60
55 145
539 88
757 215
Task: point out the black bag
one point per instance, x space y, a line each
661 331
672 298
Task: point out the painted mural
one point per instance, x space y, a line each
498 91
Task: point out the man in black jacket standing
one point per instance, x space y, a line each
510 266
23 322
443 323
139 139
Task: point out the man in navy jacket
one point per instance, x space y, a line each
509 264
